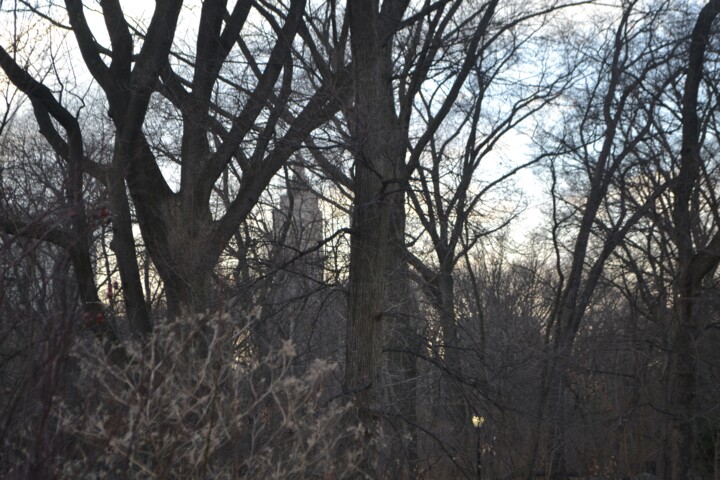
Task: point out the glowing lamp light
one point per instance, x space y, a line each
478 420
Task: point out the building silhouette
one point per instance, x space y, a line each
298 227
300 306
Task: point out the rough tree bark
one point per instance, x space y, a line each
378 218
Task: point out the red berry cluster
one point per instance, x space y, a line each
99 318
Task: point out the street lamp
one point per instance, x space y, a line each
477 421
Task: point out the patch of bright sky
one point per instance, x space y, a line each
514 148
519 147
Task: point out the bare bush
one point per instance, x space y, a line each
184 404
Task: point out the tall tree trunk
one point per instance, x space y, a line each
558 398
682 394
378 160
402 346
458 416
377 269
123 245
692 265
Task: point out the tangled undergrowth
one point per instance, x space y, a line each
186 403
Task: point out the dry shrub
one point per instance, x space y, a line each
183 403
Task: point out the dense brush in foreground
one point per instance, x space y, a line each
186 403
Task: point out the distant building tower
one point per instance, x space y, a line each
298 226
295 307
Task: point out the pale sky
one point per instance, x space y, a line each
514 148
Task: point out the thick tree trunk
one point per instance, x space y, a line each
377 284
378 212
368 283
187 267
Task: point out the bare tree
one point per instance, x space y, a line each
379 126
451 188
180 233
698 252
613 119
